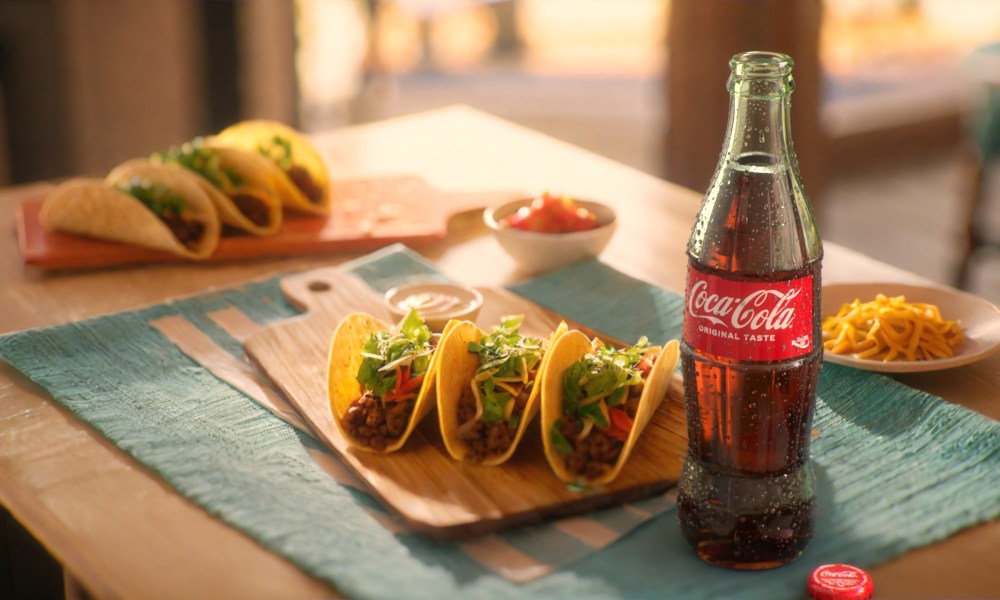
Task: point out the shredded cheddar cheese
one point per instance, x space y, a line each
890 329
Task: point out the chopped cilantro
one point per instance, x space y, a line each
204 161
156 196
279 150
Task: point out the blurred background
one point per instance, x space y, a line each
892 110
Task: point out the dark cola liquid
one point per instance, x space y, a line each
729 521
746 492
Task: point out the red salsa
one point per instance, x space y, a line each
552 214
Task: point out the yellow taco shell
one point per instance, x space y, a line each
96 208
569 349
343 387
257 176
454 376
306 164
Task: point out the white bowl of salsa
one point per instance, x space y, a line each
551 231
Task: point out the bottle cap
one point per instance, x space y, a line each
839 582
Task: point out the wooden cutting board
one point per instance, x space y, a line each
433 493
368 214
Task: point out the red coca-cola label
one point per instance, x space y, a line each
749 320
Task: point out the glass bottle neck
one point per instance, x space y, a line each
759 130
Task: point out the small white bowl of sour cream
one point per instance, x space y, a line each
435 302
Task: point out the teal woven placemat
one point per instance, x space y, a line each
228 455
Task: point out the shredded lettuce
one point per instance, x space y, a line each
505 354
601 376
406 343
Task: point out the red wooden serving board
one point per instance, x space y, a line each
367 214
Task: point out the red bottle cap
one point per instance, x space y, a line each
839 582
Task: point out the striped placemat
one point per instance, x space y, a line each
221 438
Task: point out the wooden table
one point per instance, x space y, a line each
121 532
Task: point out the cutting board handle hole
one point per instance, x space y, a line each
318 286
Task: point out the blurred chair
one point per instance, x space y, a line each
982 150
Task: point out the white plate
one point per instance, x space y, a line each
978 317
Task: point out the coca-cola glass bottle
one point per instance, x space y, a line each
752 351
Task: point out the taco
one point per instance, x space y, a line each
596 400
486 388
238 182
380 379
304 184
141 204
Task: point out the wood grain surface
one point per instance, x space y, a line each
432 492
367 214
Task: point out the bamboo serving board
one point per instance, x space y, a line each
367 214
433 493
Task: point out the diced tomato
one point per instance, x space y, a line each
400 377
621 424
645 365
412 384
392 398
552 214
404 383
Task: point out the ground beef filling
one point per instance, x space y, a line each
487 439
188 233
595 454
253 208
302 180
375 426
